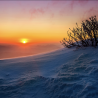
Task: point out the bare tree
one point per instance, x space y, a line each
85 35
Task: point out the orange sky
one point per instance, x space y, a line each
41 21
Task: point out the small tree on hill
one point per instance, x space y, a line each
86 35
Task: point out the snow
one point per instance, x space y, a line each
64 73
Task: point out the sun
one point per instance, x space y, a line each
24 40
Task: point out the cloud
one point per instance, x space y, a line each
83 2
35 12
90 12
51 9
70 5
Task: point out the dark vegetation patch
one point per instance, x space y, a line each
84 36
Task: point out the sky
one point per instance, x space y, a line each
42 21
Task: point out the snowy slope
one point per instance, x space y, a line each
65 73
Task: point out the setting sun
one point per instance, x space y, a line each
24 41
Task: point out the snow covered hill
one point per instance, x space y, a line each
65 73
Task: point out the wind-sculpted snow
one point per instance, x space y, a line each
60 74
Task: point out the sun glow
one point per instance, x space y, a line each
24 41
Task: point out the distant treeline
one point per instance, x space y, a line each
86 35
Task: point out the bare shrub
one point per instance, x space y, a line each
86 35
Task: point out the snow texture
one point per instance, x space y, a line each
64 73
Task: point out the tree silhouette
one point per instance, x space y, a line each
86 35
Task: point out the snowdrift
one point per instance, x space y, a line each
65 73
